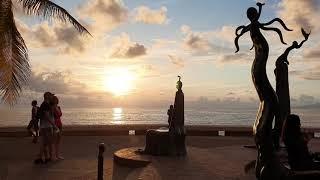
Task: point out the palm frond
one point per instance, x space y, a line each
48 10
14 65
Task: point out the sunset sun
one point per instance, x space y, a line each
119 81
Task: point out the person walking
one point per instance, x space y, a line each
33 126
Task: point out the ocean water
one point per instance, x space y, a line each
114 116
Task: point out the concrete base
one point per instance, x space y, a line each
131 157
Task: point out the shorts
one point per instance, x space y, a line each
46 135
34 125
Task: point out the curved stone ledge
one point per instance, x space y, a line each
131 157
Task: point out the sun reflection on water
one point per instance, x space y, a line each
117 116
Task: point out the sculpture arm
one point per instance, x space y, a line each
276 30
295 45
306 36
260 9
238 29
277 20
243 29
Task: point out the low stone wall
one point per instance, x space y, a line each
116 130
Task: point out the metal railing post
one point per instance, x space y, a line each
100 161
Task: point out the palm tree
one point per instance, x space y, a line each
14 62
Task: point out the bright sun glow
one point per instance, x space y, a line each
119 81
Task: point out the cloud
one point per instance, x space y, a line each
312 73
241 58
123 47
105 14
306 99
99 16
194 40
202 43
176 60
135 50
312 53
57 82
230 102
70 91
149 16
57 35
226 33
297 14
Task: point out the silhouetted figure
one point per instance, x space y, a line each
267 166
170 115
33 126
299 156
282 88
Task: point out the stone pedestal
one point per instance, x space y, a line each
161 142
158 142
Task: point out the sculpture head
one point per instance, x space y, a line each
293 121
179 83
292 127
252 13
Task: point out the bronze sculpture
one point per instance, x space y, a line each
169 141
177 130
282 88
268 165
268 108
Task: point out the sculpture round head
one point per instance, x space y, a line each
293 125
252 13
179 83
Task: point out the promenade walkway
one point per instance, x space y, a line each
208 158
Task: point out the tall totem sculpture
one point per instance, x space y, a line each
267 164
282 88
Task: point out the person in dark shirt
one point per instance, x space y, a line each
33 126
299 156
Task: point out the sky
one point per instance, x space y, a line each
138 48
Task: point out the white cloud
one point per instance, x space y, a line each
297 14
64 38
150 16
123 47
104 14
58 82
195 41
176 60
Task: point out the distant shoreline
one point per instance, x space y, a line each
140 129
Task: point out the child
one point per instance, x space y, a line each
33 124
57 113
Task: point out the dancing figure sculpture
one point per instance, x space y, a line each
282 88
267 164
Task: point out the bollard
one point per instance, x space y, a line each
100 161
